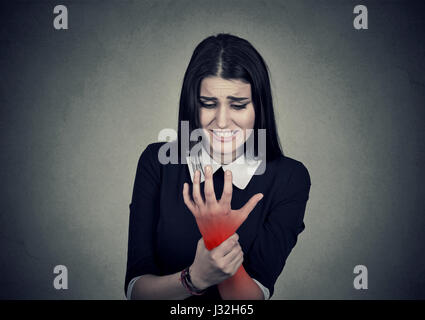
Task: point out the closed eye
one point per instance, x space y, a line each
207 105
239 106
213 105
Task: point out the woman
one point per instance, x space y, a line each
183 242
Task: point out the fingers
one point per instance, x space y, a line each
234 236
201 244
249 206
226 246
226 196
197 189
236 263
209 187
233 260
233 254
186 198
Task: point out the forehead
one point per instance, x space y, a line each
219 87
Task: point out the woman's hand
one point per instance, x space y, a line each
212 267
216 219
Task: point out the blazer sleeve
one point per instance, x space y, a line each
144 211
278 234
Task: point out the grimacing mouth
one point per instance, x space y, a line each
224 132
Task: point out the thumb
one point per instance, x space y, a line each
249 206
200 243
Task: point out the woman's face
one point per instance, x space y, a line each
226 113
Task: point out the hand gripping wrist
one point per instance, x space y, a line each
187 283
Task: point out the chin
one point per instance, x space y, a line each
224 148
226 151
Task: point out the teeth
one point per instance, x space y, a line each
224 133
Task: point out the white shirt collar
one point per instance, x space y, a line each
242 168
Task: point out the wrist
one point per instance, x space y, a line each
196 279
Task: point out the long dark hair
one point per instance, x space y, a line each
234 58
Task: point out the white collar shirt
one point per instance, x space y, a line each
242 168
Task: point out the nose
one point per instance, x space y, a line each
222 117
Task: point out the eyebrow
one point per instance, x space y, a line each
228 97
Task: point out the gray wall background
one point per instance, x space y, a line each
79 106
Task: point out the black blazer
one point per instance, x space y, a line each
163 233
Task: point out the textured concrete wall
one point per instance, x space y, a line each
78 106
